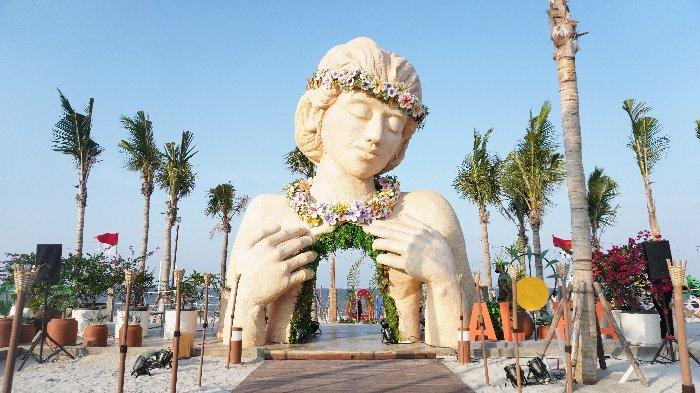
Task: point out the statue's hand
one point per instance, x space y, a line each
410 245
272 264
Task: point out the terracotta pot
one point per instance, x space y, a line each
525 323
27 333
63 331
5 331
542 331
134 336
95 335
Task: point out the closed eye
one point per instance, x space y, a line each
359 110
396 124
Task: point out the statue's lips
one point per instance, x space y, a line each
366 154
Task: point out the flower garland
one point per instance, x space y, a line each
394 94
379 206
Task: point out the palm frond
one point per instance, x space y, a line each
477 177
297 162
602 190
697 128
223 203
140 150
646 139
176 173
71 136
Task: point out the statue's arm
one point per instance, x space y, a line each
442 301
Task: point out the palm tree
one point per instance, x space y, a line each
565 40
71 136
177 178
697 128
515 209
602 211
297 162
223 203
649 148
539 169
477 180
142 155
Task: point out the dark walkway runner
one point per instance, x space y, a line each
414 375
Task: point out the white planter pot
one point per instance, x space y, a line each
145 316
639 329
82 315
188 322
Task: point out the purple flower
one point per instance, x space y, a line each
365 85
391 90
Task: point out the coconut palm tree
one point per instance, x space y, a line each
539 169
515 209
142 155
297 162
71 136
565 40
177 178
223 203
602 211
649 148
477 180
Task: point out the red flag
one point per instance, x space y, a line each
561 243
108 238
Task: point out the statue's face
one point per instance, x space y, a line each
361 133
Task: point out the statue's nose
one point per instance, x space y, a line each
373 130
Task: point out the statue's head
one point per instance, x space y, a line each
361 108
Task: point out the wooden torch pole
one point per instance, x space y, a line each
24 276
477 284
513 271
128 280
677 272
233 313
562 270
204 326
176 334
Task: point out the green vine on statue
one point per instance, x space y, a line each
344 237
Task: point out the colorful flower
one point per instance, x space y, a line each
391 90
406 100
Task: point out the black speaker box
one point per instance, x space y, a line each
49 255
656 253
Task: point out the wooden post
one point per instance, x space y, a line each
562 270
24 276
620 335
233 313
677 272
128 280
513 271
204 326
477 283
463 349
176 334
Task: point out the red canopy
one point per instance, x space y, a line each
108 238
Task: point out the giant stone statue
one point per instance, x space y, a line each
354 121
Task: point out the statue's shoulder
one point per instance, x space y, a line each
267 205
431 208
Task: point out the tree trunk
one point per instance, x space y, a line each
167 246
146 225
564 38
485 253
332 293
522 240
651 209
224 251
81 201
537 247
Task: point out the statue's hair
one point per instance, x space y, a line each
365 54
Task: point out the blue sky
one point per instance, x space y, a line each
232 73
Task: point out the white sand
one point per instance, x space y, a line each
662 378
98 373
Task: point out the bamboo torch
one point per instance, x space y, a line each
477 283
233 313
677 271
562 270
204 326
513 271
128 280
24 276
179 273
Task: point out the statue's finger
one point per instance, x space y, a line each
293 246
390 245
392 260
264 233
300 276
410 220
301 260
286 234
388 232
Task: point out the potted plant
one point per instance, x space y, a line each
27 330
63 330
134 337
143 282
96 331
621 272
544 322
91 277
5 323
192 289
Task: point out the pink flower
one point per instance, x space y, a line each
405 100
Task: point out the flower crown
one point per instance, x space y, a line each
356 79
